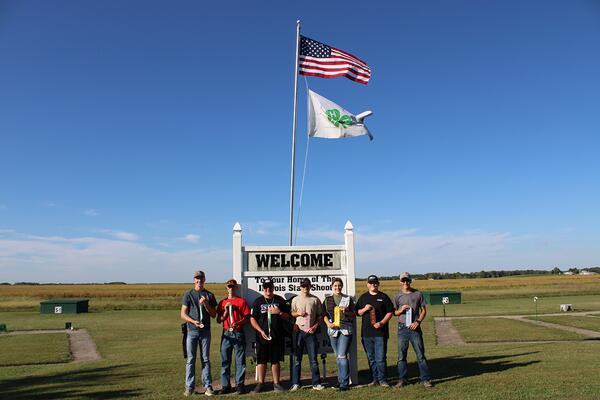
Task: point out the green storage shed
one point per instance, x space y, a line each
64 306
442 297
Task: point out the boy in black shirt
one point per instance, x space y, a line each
376 309
267 318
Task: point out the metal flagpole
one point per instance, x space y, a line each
294 132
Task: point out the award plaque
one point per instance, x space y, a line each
336 316
269 323
408 318
307 322
201 325
230 317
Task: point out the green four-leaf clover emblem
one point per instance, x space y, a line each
335 117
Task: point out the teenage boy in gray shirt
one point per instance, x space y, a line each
411 309
198 306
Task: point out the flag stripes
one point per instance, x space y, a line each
318 59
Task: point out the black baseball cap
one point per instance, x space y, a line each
199 275
305 283
373 279
267 282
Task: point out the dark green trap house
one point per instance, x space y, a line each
64 306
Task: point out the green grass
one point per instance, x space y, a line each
482 330
43 348
578 321
139 339
142 359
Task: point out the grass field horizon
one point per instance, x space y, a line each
136 331
168 295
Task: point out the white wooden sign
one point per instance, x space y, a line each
287 266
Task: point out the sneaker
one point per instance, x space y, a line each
428 384
239 389
373 383
294 387
278 388
384 384
188 392
401 383
258 388
209 391
225 390
318 387
343 388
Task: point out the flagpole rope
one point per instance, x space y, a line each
303 175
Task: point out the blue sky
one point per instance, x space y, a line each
133 135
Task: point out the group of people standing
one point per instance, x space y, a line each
274 318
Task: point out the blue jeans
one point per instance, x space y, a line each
301 340
233 341
194 339
375 347
340 345
405 336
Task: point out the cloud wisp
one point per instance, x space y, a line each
91 259
192 238
121 235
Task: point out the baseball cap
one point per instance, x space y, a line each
305 283
199 274
373 279
231 282
405 275
267 282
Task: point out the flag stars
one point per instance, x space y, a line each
312 48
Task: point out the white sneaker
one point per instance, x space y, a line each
294 388
209 391
318 387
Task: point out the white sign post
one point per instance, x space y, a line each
287 266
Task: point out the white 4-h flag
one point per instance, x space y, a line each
328 120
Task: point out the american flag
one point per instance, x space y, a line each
318 59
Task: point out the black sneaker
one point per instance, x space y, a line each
225 390
343 388
258 388
239 389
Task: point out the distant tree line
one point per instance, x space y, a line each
62 284
488 274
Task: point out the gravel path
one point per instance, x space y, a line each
81 344
446 333
581 331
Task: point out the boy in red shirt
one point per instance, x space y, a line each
234 312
